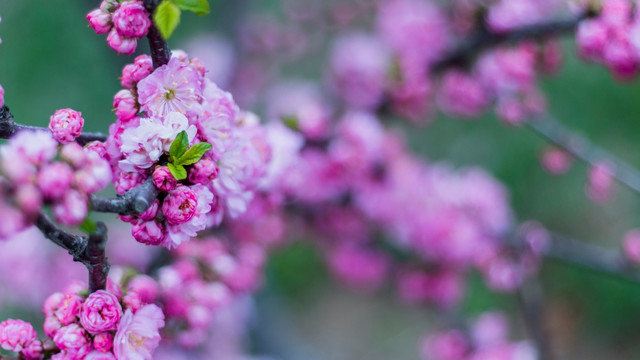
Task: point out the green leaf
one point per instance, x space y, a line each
167 18
179 145
194 154
291 122
199 7
88 226
178 171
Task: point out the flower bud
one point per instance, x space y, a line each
101 312
131 20
103 342
66 125
72 210
132 73
203 172
55 180
148 232
125 104
163 179
121 44
180 205
100 21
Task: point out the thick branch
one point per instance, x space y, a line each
582 149
8 127
133 202
160 52
89 251
483 40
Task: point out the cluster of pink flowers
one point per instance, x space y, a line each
486 339
205 278
177 99
613 38
34 177
107 324
125 21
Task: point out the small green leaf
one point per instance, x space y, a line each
178 171
199 7
167 18
179 145
88 226
291 122
194 154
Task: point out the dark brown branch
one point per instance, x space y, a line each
89 251
482 39
582 149
8 127
160 52
133 202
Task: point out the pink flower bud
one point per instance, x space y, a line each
132 301
97 355
600 182
54 180
631 246
74 340
180 205
127 181
450 345
1 96
100 21
97 147
29 199
591 38
556 161
163 179
148 232
151 212
203 172
125 104
101 312
74 154
114 288
68 309
132 73
66 125
33 351
16 335
93 177
121 44
51 326
52 303
131 19
103 342
72 209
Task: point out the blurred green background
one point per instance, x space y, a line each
51 59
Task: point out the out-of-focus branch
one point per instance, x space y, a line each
89 251
160 52
582 149
8 127
530 299
482 39
133 202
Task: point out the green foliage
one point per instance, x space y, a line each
167 18
88 226
178 171
180 155
194 154
179 146
199 7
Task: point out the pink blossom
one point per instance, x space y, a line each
138 334
600 182
68 309
450 345
100 21
101 312
462 95
34 351
74 154
131 19
73 340
94 176
148 232
203 172
180 205
28 198
631 246
55 180
361 268
1 96
37 147
146 287
103 342
121 44
51 326
72 209
163 179
490 329
125 104
97 355
16 335
591 39
556 161
151 212
177 234
132 73
173 87
66 125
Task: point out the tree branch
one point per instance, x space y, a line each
483 39
582 149
89 251
160 52
530 299
8 127
133 202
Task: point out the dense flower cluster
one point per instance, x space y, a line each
33 176
124 21
487 339
222 158
107 324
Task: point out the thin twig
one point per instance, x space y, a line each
530 299
160 52
582 149
90 251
